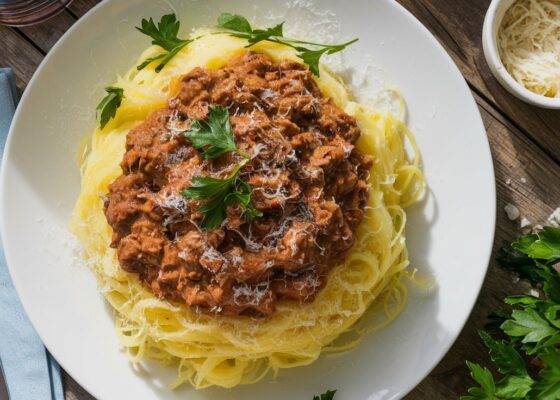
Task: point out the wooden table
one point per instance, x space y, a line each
525 144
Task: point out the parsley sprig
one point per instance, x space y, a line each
241 28
215 137
532 328
328 395
219 195
163 35
107 107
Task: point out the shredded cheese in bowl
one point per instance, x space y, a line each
529 45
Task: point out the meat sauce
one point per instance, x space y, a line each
308 179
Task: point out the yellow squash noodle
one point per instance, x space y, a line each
227 351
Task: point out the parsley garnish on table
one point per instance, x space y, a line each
107 108
215 137
163 35
531 332
328 395
241 28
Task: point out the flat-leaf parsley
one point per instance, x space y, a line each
163 35
108 106
240 27
215 137
532 328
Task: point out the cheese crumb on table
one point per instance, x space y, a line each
511 211
525 225
554 218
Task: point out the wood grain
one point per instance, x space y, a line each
46 34
523 139
73 391
20 55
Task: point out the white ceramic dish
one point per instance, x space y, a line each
450 234
492 22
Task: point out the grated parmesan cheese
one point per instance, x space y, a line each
534 293
554 218
511 211
250 295
525 225
529 45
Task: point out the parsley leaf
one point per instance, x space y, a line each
548 388
107 108
204 187
312 57
258 35
529 325
241 28
234 22
215 134
544 245
483 377
524 300
535 312
163 35
519 263
328 395
150 60
220 193
504 356
533 327
242 195
551 284
216 190
514 387
533 256
510 388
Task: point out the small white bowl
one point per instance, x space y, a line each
492 22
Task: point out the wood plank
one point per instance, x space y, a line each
20 55
80 7
47 33
457 25
72 390
525 177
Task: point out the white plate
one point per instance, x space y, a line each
450 234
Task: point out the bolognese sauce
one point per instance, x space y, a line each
307 178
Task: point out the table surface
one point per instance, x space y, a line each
524 142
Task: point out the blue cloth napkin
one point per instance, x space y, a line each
30 372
